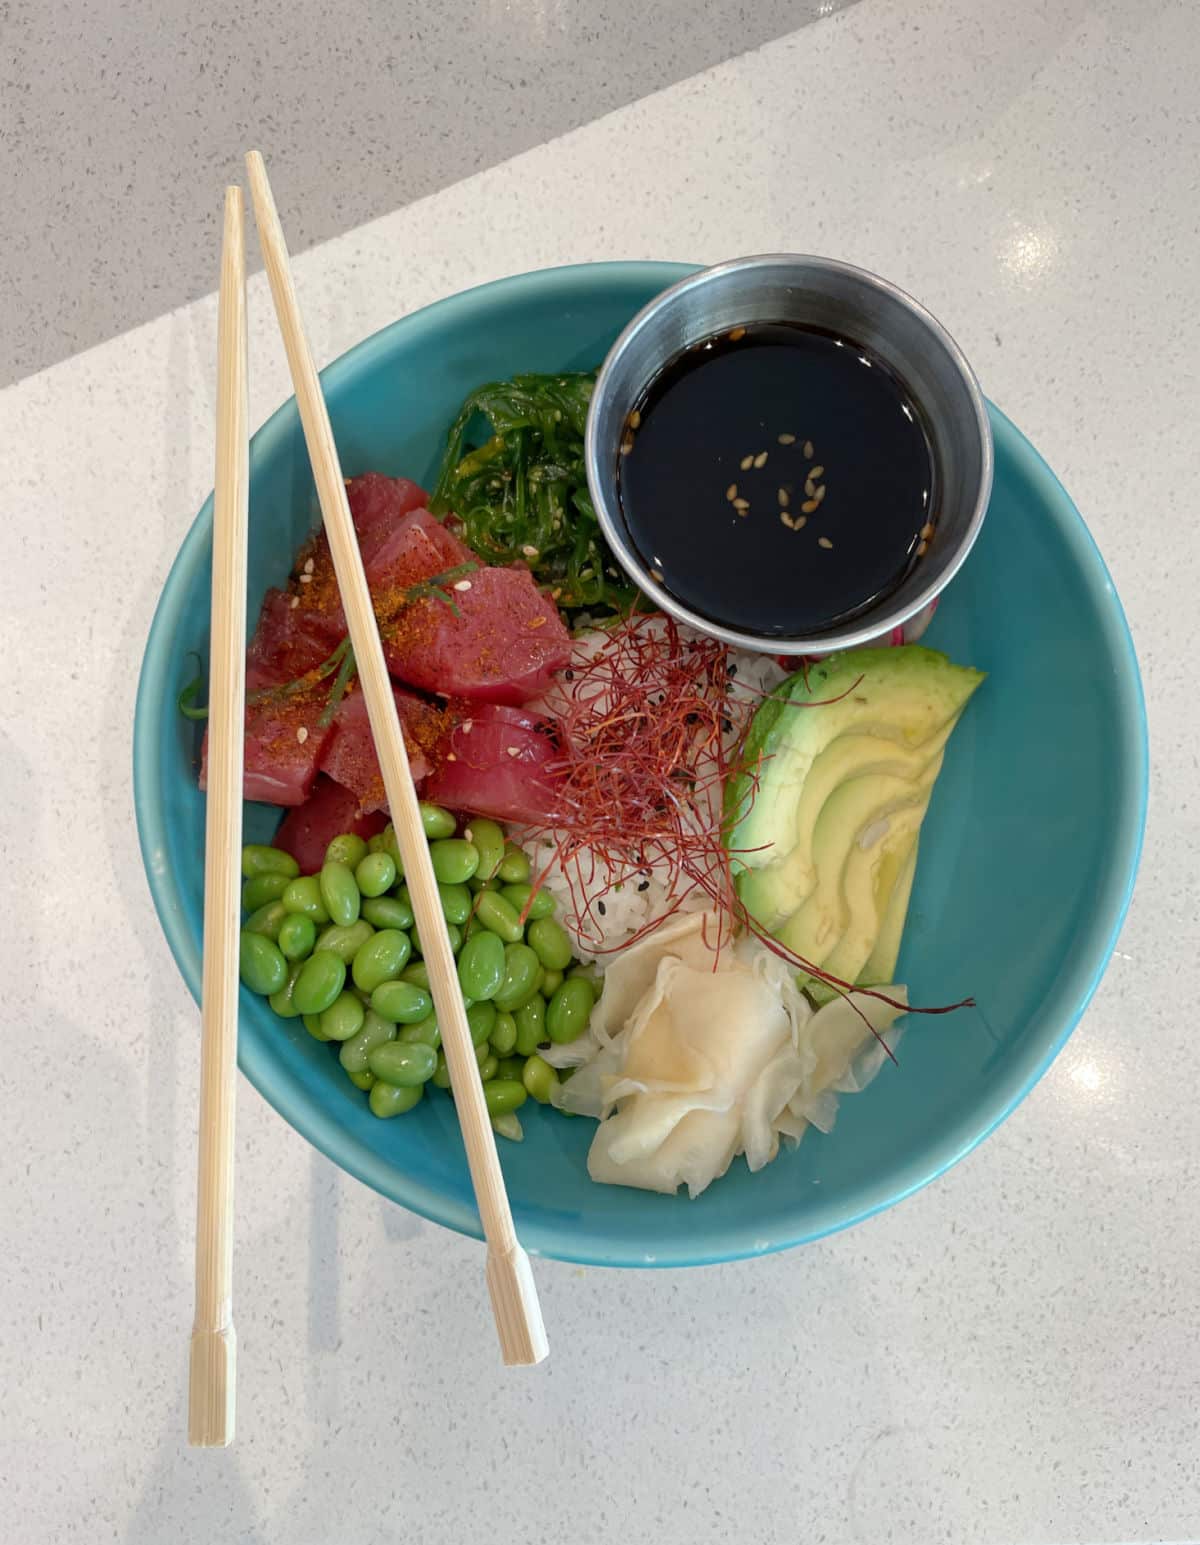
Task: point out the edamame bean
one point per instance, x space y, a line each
376 844
521 967
453 933
345 943
550 983
304 896
346 849
261 889
404 1063
356 1051
540 903
504 1095
487 1068
381 958
454 860
375 874
481 966
539 1078
441 1074
389 845
504 1035
531 1025
297 935
393 1100
436 822
312 1023
426 1030
456 903
416 972
344 1017
508 1125
498 916
511 1067
400 1002
258 859
481 1017
364 1080
514 866
340 893
266 920
388 912
282 1001
570 1009
476 884
321 979
261 963
549 942
488 841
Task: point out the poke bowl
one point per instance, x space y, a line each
1027 855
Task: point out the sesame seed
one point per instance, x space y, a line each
823 541
922 549
450 756
302 734
466 729
787 439
816 473
295 602
656 576
799 522
537 622
761 459
810 487
556 592
600 907
926 531
808 450
529 550
738 332
306 579
731 491
786 519
784 498
809 506
462 584
635 419
309 566
747 462
467 835
626 446
820 493
741 504
513 750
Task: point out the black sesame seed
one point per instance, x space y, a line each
732 670
543 1046
726 726
570 675
644 886
601 908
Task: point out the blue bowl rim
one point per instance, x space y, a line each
1081 975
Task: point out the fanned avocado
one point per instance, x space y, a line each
822 824
880 969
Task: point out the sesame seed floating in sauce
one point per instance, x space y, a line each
823 541
784 498
926 531
731 491
820 493
810 487
746 462
816 473
635 419
808 450
922 549
738 332
761 459
741 505
799 522
787 439
656 576
809 506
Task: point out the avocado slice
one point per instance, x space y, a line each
880 969
822 823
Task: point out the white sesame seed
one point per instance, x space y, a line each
731 491
626 446
741 504
761 459
309 566
529 550
513 750
787 439
808 450
809 506
747 462
823 541
926 531
306 579
810 487
738 332
922 549
450 756
820 493
786 519
635 419
784 498
295 602
302 734
799 522
816 473
462 584
466 728
656 576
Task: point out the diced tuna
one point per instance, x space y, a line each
329 811
350 757
495 762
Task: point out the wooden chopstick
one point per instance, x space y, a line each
213 1366
509 1276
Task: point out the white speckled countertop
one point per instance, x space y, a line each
1008 1356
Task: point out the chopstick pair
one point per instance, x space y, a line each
509 1275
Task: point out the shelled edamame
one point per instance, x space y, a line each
339 951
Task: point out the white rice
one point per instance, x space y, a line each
622 906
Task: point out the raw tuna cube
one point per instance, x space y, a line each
502 647
284 741
376 502
495 762
329 811
349 755
285 643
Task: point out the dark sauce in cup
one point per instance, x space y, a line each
778 479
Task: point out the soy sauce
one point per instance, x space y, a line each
822 526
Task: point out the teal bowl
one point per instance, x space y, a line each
1027 858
